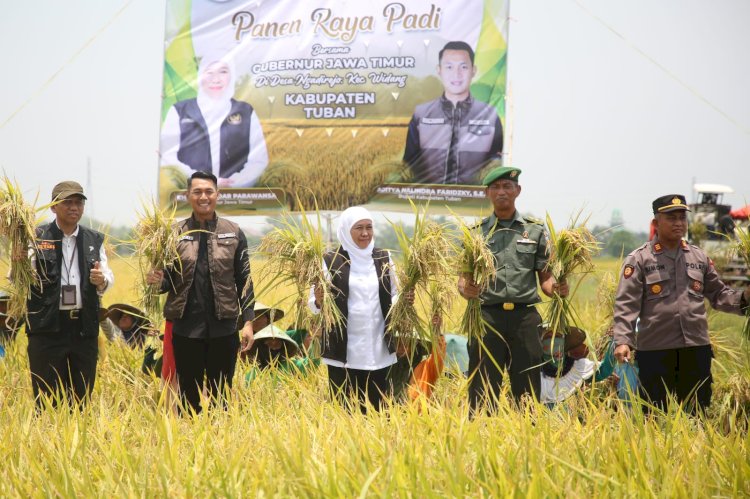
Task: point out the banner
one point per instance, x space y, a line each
335 102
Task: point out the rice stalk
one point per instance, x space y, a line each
571 252
155 244
476 263
741 247
293 255
424 260
18 231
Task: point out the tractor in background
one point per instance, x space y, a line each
712 227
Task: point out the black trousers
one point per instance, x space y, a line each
63 363
511 342
212 359
366 386
685 373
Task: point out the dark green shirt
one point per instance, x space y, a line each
520 249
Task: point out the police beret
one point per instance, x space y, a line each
502 172
670 202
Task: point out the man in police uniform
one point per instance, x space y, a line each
450 139
512 336
63 312
665 283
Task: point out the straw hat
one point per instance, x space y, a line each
272 332
275 314
114 312
556 346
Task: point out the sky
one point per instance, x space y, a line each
613 103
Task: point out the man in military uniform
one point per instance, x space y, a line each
665 284
512 335
451 138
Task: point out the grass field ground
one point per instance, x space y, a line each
281 436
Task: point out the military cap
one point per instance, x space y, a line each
670 202
64 190
502 172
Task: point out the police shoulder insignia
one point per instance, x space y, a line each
657 247
656 289
684 244
533 220
628 271
696 286
234 119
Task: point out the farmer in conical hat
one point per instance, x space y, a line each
274 348
665 284
519 245
128 323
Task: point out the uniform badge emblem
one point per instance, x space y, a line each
513 174
657 247
696 286
656 289
526 234
628 271
675 200
234 119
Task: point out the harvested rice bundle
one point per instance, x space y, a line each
425 259
475 262
293 254
571 252
741 247
731 404
155 243
18 231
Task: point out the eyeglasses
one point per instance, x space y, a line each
69 203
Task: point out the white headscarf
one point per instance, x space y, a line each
349 217
215 109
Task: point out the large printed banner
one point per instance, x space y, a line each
338 102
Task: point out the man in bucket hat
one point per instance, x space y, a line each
665 283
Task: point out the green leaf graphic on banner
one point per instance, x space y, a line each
180 68
491 57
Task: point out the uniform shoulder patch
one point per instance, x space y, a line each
627 271
533 220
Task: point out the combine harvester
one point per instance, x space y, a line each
712 227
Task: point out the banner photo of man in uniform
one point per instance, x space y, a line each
339 103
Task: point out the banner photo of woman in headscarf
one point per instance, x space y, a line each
334 103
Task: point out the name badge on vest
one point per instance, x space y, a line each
479 122
68 294
226 235
235 119
433 121
187 238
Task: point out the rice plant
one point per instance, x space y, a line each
18 232
741 247
476 263
571 252
424 259
292 255
155 242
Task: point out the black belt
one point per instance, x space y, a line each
71 315
508 306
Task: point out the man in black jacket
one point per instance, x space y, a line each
63 322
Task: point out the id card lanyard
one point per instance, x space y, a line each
69 290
